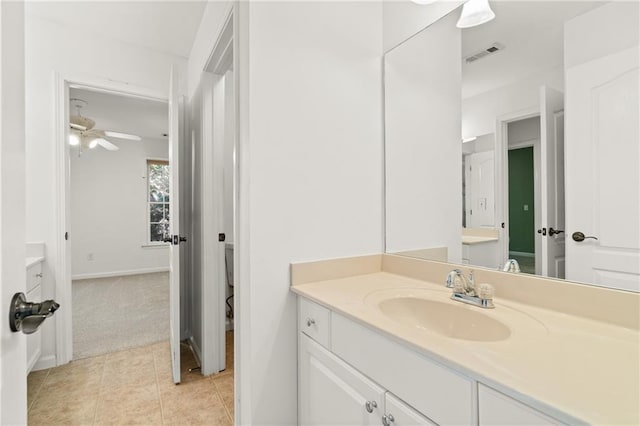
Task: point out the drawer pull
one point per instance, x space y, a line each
388 419
370 405
39 275
310 322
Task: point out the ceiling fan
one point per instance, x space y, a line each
83 133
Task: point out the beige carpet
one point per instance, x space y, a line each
113 314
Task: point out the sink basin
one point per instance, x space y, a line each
458 322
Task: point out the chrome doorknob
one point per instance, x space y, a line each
388 419
310 322
579 237
28 316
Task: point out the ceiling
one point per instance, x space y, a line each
164 26
533 33
137 116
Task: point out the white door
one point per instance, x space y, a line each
333 393
551 182
174 207
400 414
479 177
602 184
13 346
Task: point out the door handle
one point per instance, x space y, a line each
167 238
27 316
183 239
553 232
542 231
579 237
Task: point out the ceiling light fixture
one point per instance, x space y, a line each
74 139
93 143
475 12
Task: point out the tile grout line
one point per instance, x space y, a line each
104 370
35 397
224 404
155 373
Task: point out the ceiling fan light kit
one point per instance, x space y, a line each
83 134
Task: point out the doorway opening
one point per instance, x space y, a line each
522 208
119 213
523 191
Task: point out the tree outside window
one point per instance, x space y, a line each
158 200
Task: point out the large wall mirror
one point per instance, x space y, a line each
519 139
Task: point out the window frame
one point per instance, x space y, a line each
148 242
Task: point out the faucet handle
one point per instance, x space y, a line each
485 291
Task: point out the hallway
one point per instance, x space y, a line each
132 387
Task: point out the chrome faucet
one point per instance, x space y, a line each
467 285
511 265
465 291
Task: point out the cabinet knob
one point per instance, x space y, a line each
388 419
370 405
310 322
39 275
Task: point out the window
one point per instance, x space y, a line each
157 200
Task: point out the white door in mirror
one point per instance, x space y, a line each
602 179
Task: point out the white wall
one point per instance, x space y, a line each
423 148
51 47
109 210
526 130
312 109
404 18
479 113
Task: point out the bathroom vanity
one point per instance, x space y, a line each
380 341
33 263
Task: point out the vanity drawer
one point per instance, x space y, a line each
436 391
314 321
34 276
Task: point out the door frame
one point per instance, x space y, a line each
62 261
220 60
502 174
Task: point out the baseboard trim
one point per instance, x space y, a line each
119 273
45 362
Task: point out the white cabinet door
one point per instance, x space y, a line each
498 409
397 413
331 392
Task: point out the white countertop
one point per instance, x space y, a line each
472 239
563 364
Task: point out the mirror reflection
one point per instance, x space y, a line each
481 167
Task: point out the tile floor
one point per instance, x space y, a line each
131 387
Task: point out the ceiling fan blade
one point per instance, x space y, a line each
106 144
77 126
78 120
122 136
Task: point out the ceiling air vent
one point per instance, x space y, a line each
495 47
